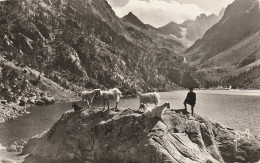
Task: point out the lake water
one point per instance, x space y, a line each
238 109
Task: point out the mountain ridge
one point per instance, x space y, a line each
229 47
171 28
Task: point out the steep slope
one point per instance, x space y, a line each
150 27
229 52
171 28
82 44
238 66
221 13
241 19
127 136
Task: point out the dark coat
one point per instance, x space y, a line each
191 98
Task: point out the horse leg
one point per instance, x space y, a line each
107 105
104 103
87 103
90 103
139 106
82 98
116 104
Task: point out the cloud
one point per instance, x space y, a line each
117 3
159 12
209 5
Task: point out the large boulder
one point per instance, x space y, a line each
42 101
127 136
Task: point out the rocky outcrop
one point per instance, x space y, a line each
10 111
16 146
127 136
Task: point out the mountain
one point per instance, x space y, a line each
191 30
197 28
221 13
82 44
148 35
239 22
186 33
131 18
171 28
150 27
229 51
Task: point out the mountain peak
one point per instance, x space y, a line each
171 28
172 23
130 13
203 17
241 6
131 18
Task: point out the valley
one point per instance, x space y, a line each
61 48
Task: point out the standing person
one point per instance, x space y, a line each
191 100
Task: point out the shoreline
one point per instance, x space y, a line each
11 111
11 157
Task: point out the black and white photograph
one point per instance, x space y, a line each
129 81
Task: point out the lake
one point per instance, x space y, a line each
238 109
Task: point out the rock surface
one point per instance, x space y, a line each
127 136
16 146
10 111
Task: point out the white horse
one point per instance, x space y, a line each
157 111
149 98
112 94
88 96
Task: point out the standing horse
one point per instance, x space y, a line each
112 94
88 96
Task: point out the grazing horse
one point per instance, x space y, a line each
157 111
112 94
149 98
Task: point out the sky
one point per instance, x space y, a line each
161 12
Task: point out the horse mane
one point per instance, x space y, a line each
116 90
